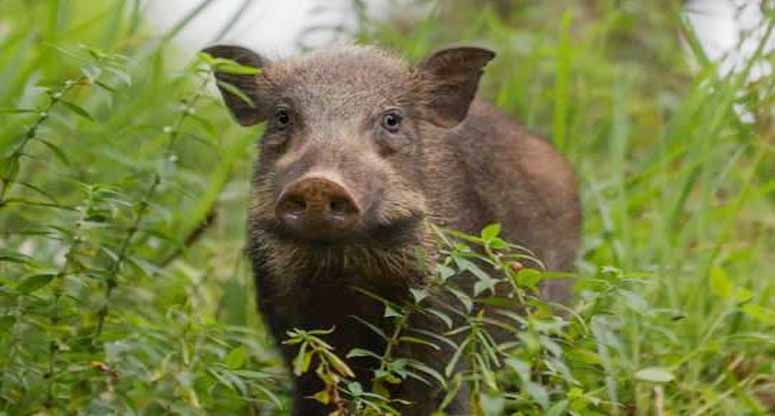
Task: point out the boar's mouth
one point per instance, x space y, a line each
399 232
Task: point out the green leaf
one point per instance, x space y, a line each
484 370
634 301
529 278
463 298
761 314
415 340
742 295
558 409
355 388
452 391
498 244
538 393
121 75
720 284
77 110
583 356
419 366
302 361
452 364
485 284
35 282
338 364
14 257
92 72
237 92
390 312
371 326
520 367
228 66
234 68
441 315
490 232
236 358
322 397
56 151
444 272
654 375
359 352
419 294
17 110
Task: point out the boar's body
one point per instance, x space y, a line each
360 155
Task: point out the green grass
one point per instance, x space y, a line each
123 285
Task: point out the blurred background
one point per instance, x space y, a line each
125 184
281 28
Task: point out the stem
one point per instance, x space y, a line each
57 292
112 281
115 267
187 110
393 341
54 98
16 339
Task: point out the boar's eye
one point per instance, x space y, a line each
391 121
282 118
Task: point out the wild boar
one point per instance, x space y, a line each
361 152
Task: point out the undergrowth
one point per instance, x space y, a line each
123 195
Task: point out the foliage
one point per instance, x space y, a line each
124 187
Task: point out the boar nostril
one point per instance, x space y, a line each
295 204
341 206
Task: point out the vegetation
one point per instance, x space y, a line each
124 187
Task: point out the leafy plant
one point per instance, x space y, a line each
124 188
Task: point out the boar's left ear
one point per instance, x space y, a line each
241 89
451 77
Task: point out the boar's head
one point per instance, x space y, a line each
341 181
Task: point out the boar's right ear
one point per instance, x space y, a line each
451 78
240 88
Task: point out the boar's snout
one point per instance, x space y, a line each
317 208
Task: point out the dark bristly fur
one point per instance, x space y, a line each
456 161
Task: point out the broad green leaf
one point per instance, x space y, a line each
538 393
720 284
490 232
444 272
34 282
236 357
322 397
558 409
528 278
418 294
390 312
759 313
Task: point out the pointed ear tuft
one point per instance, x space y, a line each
240 88
452 77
